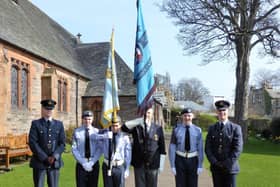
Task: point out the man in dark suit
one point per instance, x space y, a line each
47 143
148 151
223 147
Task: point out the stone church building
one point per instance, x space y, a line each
40 59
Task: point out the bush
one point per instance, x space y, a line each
275 128
258 126
69 134
204 120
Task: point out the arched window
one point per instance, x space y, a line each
14 87
19 84
59 95
64 96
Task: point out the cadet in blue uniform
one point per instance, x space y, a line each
120 148
47 143
223 147
186 151
87 149
148 150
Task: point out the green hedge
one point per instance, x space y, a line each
204 120
275 129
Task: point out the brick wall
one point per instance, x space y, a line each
17 121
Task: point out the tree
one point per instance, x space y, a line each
192 89
265 76
223 28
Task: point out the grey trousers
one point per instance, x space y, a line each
39 177
145 177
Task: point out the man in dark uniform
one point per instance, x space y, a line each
148 150
47 143
223 147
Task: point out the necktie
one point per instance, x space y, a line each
221 125
114 142
187 139
87 144
48 124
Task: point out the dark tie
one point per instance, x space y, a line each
187 139
48 124
87 144
221 125
114 142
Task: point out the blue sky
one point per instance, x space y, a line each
94 19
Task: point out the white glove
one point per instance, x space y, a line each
161 164
135 122
173 171
91 163
199 170
110 134
126 173
87 166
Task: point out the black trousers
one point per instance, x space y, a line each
117 177
186 171
87 179
223 179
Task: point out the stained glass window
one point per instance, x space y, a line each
59 95
14 86
64 96
24 88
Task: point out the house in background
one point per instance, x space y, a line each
40 59
264 101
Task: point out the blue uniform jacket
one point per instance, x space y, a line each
45 142
78 144
224 145
177 143
123 149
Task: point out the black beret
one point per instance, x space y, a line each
87 113
48 104
222 104
186 110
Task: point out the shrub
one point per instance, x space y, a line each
69 134
275 128
258 125
204 120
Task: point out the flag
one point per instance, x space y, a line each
110 97
143 71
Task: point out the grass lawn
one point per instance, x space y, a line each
260 167
260 164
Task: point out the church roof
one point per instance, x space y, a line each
95 58
25 26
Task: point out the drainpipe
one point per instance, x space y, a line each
77 100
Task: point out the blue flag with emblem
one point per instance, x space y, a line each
110 97
143 71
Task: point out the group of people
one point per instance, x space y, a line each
146 154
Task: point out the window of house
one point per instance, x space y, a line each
62 95
19 84
58 95
14 86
